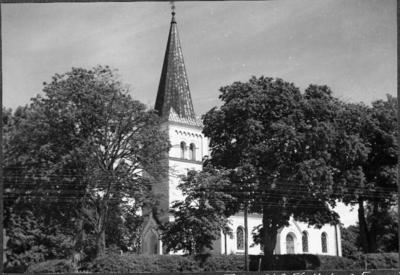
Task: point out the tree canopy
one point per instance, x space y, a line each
278 142
80 149
201 217
367 161
296 154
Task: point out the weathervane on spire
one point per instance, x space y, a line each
173 7
173 11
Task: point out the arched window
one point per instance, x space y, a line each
304 241
324 242
240 238
183 149
192 151
289 244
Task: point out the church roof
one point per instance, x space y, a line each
173 91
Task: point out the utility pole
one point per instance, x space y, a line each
246 252
398 134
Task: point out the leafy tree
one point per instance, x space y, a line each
350 241
83 147
124 228
388 232
380 170
32 240
202 215
366 161
386 237
279 144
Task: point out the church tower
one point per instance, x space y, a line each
188 144
188 148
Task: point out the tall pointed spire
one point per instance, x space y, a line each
173 91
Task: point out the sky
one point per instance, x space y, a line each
349 45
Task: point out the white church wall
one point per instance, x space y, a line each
236 222
295 229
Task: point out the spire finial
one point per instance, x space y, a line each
173 90
173 11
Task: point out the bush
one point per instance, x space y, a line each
322 262
215 262
175 263
360 261
285 262
52 266
15 269
219 262
335 263
142 263
379 260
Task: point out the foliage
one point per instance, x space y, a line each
339 263
219 262
360 261
79 150
366 161
387 232
123 230
284 262
279 144
386 236
323 262
380 260
52 266
202 215
350 241
129 262
32 241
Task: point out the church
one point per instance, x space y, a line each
188 148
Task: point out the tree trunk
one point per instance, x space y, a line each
269 235
374 228
363 226
100 243
269 240
77 247
101 227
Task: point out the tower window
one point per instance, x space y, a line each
240 238
289 244
304 240
324 242
183 149
192 151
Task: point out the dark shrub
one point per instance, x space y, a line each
380 260
171 263
289 262
335 263
52 266
15 269
142 263
219 262
127 262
